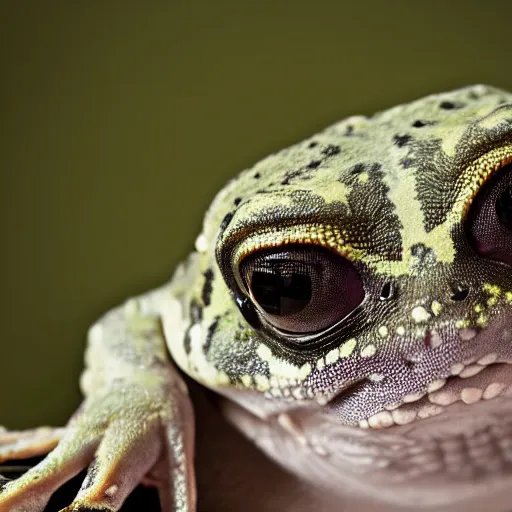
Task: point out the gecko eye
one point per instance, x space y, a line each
490 218
301 289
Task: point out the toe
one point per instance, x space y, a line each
175 471
33 489
28 443
126 453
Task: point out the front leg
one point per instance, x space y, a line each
136 421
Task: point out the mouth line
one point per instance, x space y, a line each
483 380
473 384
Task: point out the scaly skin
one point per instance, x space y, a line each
400 211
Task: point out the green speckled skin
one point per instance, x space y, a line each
394 188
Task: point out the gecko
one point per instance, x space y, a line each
347 308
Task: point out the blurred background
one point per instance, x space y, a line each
120 120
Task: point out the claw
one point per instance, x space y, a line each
3 481
123 457
73 508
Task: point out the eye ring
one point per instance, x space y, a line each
301 289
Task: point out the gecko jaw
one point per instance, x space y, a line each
469 383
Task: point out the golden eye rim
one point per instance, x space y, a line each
476 175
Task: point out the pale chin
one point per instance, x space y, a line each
461 460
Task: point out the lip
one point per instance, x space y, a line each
467 366
459 419
491 382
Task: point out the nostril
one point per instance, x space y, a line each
459 293
388 291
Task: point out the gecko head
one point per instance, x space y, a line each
382 327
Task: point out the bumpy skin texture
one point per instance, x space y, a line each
395 197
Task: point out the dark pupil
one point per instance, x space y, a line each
281 294
504 207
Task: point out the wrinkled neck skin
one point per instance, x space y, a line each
458 460
451 462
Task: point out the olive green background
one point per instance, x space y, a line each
120 120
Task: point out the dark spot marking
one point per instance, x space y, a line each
225 221
374 169
290 176
313 145
349 131
257 176
402 140
331 150
195 316
357 169
186 341
424 257
409 364
196 312
314 164
293 174
207 287
406 163
237 201
422 252
421 124
419 250
209 335
449 105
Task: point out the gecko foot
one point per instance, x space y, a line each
125 436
